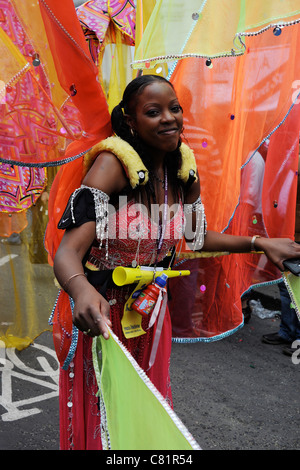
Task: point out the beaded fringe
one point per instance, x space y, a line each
201 228
101 200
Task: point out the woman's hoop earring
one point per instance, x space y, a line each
132 132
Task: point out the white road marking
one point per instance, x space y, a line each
6 259
9 362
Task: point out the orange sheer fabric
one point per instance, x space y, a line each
90 100
248 186
230 108
77 72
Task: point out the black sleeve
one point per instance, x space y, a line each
83 210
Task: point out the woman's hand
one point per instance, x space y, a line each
91 310
278 249
91 313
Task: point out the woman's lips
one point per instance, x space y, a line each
168 131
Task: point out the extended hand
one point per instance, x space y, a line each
278 249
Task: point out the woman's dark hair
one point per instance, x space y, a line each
122 129
128 103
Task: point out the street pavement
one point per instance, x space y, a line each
233 394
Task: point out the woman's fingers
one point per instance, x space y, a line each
93 325
93 319
101 327
103 319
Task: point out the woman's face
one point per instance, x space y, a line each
158 117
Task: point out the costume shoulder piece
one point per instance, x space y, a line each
134 168
133 165
188 169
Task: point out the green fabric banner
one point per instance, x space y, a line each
292 283
134 414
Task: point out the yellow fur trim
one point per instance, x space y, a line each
132 162
188 163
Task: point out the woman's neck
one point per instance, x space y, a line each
157 161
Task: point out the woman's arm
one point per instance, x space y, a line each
91 310
276 249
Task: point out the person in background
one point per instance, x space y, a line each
289 330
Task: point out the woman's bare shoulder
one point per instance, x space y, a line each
107 174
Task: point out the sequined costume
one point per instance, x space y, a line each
127 235
80 416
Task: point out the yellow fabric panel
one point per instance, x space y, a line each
28 290
30 15
179 29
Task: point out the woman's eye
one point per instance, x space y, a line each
152 112
176 109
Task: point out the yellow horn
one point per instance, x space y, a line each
122 276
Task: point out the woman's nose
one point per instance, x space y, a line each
167 116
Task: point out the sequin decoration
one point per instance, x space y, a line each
36 60
277 31
73 90
254 220
203 288
141 176
204 143
275 204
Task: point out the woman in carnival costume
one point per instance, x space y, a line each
110 221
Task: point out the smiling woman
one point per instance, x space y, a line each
142 168
152 123
158 119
